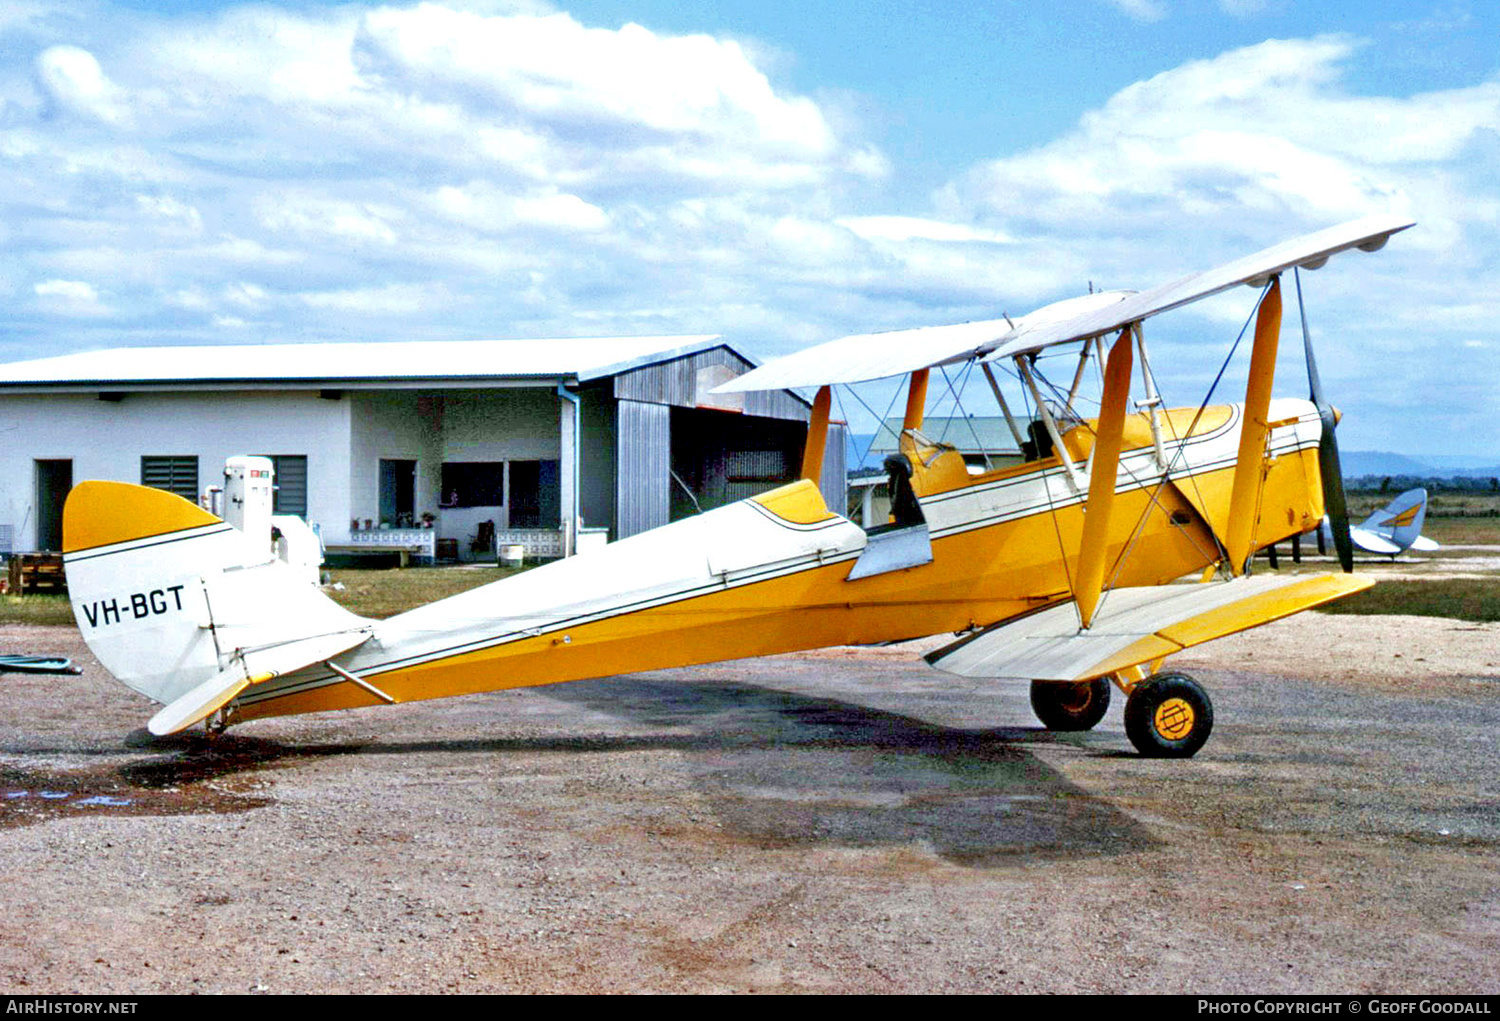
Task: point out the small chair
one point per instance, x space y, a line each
484 540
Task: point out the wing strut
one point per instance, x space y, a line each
1105 459
1074 477
1010 420
916 400
817 436
1249 467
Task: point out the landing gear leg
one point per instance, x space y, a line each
218 722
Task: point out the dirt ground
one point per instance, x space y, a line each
846 821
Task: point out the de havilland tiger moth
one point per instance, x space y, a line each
1064 567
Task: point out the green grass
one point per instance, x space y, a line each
368 593
35 609
386 593
1462 531
1472 599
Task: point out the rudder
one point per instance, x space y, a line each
168 595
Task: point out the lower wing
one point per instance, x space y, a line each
1135 626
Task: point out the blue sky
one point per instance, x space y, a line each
779 172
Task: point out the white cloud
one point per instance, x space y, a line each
164 207
558 72
68 290
73 298
245 295
483 207
332 155
325 220
75 83
1266 134
1217 158
392 299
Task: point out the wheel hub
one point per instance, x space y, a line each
1174 719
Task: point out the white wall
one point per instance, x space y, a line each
343 440
509 424
106 440
398 425
519 424
501 425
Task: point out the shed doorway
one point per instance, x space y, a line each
398 493
54 478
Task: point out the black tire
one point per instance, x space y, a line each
1168 716
1063 705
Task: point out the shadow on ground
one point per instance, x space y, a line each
776 768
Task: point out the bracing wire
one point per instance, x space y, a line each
1062 548
958 406
881 420
1140 525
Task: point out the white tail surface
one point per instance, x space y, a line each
1401 520
165 600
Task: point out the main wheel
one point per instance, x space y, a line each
1063 705
1168 716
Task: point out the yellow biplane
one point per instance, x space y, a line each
1057 567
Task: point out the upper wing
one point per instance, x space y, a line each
1309 252
877 355
867 356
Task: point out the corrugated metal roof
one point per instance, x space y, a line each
582 358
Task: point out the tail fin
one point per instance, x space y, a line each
1401 520
170 598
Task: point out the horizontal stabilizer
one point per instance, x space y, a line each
1370 542
1136 625
200 703
248 668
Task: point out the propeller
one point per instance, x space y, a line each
1334 503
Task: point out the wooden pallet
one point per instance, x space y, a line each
36 572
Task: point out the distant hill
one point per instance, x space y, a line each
1356 463
1380 462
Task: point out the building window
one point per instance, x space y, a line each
473 484
291 484
174 474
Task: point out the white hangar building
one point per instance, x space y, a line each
440 447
